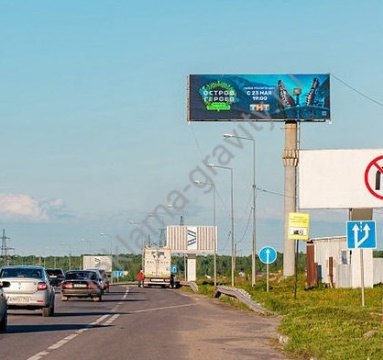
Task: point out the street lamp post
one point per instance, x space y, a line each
214 224
254 248
86 241
232 218
111 242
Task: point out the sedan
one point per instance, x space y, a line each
105 279
29 289
56 276
3 307
82 283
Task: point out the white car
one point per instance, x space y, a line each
3 307
29 288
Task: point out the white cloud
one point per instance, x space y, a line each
14 207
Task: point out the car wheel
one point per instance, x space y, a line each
3 323
52 309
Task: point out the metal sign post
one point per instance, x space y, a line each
298 229
296 270
267 255
361 235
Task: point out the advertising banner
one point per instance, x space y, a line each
304 97
191 239
340 179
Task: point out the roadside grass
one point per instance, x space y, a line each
321 323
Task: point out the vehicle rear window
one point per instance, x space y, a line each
81 275
21 273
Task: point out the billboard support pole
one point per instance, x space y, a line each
290 162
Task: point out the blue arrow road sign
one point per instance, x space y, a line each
361 234
267 255
174 269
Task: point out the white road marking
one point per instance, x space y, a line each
39 355
114 317
70 337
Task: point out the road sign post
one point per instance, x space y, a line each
299 225
361 235
267 255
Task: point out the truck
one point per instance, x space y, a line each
157 267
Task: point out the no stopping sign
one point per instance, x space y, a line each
373 177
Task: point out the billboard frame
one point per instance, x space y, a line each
261 98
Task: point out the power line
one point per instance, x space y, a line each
269 192
358 91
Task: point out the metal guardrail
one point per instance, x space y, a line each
191 284
243 296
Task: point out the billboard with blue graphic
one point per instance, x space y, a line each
304 97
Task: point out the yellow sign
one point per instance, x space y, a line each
299 225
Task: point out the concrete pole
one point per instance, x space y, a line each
290 162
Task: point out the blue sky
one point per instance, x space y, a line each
93 112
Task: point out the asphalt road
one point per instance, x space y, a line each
137 323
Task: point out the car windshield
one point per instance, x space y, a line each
21 273
81 275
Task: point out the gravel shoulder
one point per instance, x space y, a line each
220 331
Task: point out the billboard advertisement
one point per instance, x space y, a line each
97 262
191 239
304 97
340 179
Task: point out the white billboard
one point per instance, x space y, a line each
331 179
97 262
191 239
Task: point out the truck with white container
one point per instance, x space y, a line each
157 267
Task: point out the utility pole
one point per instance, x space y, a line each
4 249
290 162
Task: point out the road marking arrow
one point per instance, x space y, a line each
356 231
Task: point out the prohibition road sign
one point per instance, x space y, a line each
373 177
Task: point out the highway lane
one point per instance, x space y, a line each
136 323
29 333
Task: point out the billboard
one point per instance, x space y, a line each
340 179
97 262
191 239
304 97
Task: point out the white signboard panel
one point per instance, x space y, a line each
333 179
191 239
97 262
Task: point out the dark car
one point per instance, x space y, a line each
56 276
82 284
105 279
3 307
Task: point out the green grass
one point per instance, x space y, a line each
323 323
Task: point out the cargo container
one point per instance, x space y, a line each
157 268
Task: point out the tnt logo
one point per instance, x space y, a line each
259 107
